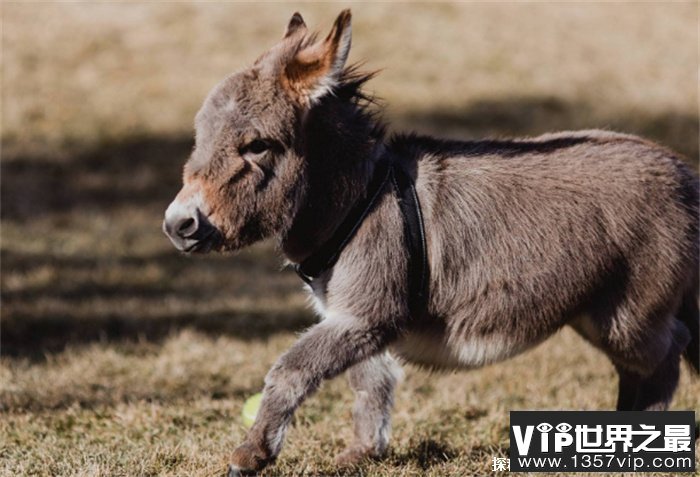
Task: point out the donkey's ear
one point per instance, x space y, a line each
315 69
296 24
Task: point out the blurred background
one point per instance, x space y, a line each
122 357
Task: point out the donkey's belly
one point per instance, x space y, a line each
433 350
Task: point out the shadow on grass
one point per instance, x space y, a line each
139 173
169 264
46 318
30 336
144 174
530 116
425 453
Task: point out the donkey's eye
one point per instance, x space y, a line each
258 146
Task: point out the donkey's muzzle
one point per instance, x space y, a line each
191 234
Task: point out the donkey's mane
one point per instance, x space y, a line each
350 83
349 89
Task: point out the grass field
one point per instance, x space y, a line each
121 358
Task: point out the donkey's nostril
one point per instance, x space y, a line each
186 227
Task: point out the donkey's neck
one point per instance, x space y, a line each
342 144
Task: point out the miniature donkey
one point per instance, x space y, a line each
591 229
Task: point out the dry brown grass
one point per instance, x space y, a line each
120 357
77 72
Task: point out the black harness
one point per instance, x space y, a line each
414 233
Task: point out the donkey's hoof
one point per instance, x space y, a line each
355 455
247 459
233 471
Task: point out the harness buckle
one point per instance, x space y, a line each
307 279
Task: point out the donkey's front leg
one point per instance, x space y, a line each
323 352
373 382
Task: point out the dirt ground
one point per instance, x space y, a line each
120 357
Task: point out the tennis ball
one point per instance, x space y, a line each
250 409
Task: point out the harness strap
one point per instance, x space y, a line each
414 233
414 236
325 257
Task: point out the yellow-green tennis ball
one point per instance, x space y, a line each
250 409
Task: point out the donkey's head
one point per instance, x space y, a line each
245 178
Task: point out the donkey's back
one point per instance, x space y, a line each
593 229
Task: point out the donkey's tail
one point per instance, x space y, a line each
689 314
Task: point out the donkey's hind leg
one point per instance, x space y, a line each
373 382
652 390
628 384
646 381
655 391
